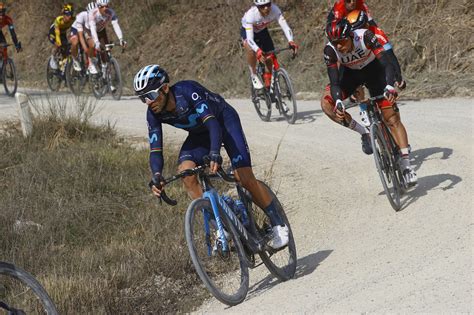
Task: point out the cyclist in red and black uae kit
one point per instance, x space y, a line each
210 122
362 60
6 20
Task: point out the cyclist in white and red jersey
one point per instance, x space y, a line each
358 14
362 60
99 18
256 38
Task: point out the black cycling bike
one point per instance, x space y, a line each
222 248
55 77
386 153
108 78
21 293
280 91
8 75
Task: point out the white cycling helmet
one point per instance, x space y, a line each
91 6
102 2
261 2
149 78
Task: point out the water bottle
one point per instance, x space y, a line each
241 212
363 114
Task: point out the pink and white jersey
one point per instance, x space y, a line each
98 22
360 56
254 22
81 22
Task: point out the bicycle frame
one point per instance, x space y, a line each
217 202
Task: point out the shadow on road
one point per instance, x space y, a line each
423 155
433 182
305 117
441 182
304 267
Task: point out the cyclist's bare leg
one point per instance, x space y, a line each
251 58
359 93
392 118
260 195
74 46
328 109
191 183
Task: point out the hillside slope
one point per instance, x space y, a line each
199 40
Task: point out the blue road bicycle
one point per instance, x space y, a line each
222 248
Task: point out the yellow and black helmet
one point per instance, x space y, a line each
68 9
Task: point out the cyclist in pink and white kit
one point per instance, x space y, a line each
99 18
256 38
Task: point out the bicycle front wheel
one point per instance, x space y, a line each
76 80
53 76
224 272
23 293
287 98
115 79
262 102
386 164
281 262
10 80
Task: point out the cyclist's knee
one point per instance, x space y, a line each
327 103
393 119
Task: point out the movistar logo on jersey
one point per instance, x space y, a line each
237 159
192 122
153 138
201 108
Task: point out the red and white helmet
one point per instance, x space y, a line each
261 2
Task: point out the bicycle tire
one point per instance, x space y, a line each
10 90
386 165
29 281
261 98
76 80
114 67
288 94
54 81
287 269
204 264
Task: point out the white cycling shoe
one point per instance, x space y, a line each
280 237
76 65
53 64
257 84
410 176
92 69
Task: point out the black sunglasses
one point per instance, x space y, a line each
262 6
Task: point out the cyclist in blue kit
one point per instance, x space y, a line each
211 122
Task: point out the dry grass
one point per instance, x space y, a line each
100 243
199 40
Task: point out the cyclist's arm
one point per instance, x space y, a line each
286 28
57 32
250 40
117 29
371 42
366 9
155 134
11 28
93 28
211 123
330 58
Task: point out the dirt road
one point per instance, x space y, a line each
355 254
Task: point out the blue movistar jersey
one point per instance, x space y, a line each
198 111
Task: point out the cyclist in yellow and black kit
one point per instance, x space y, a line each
58 33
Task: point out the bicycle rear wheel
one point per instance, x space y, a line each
21 291
53 77
224 273
287 98
115 79
281 262
10 80
386 164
